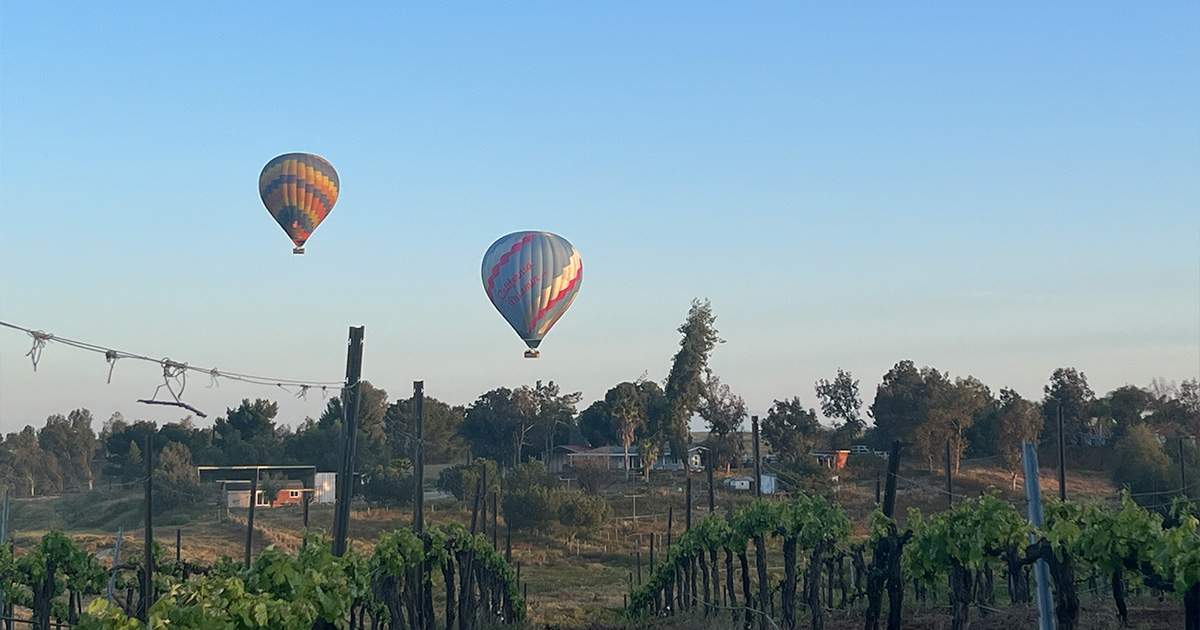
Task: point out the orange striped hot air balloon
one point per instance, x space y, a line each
299 190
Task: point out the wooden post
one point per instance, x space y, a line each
949 478
1062 459
508 544
687 519
147 594
4 519
345 478
639 567
652 552
1183 473
670 521
712 499
419 457
307 501
250 516
178 544
757 460
889 494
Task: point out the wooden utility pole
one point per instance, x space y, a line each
949 478
419 457
889 493
687 519
712 500
147 594
345 478
757 459
250 516
1183 472
1062 459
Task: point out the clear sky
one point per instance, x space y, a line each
993 189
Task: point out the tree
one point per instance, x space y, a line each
595 424
176 481
498 424
495 424
1017 420
899 406
391 485
73 443
1068 392
628 413
724 412
955 411
34 471
439 429
123 449
790 429
578 513
315 444
1144 467
685 382
840 402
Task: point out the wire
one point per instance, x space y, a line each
174 372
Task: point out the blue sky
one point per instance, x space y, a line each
994 189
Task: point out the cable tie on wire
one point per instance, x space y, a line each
303 393
39 342
213 374
111 357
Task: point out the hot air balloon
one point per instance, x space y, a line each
531 278
299 190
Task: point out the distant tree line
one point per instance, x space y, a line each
922 407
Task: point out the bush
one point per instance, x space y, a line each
528 475
534 509
461 480
1144 466
391 486
578 512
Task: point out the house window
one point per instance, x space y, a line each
295 494
260 498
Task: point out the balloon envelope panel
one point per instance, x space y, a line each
532 278
299 190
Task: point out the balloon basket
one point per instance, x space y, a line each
297 250
532 354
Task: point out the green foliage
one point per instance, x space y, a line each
969 534
724 412
461 480
685 380
176 482
526 475
392 485
535 509
578 512
790 429
1143 466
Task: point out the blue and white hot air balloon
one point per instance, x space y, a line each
532 278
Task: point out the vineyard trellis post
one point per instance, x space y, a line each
757 459
250 517
1033 494
708 460
3 538
1062 459
949 478
419 457
345 478
147 594
112 576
